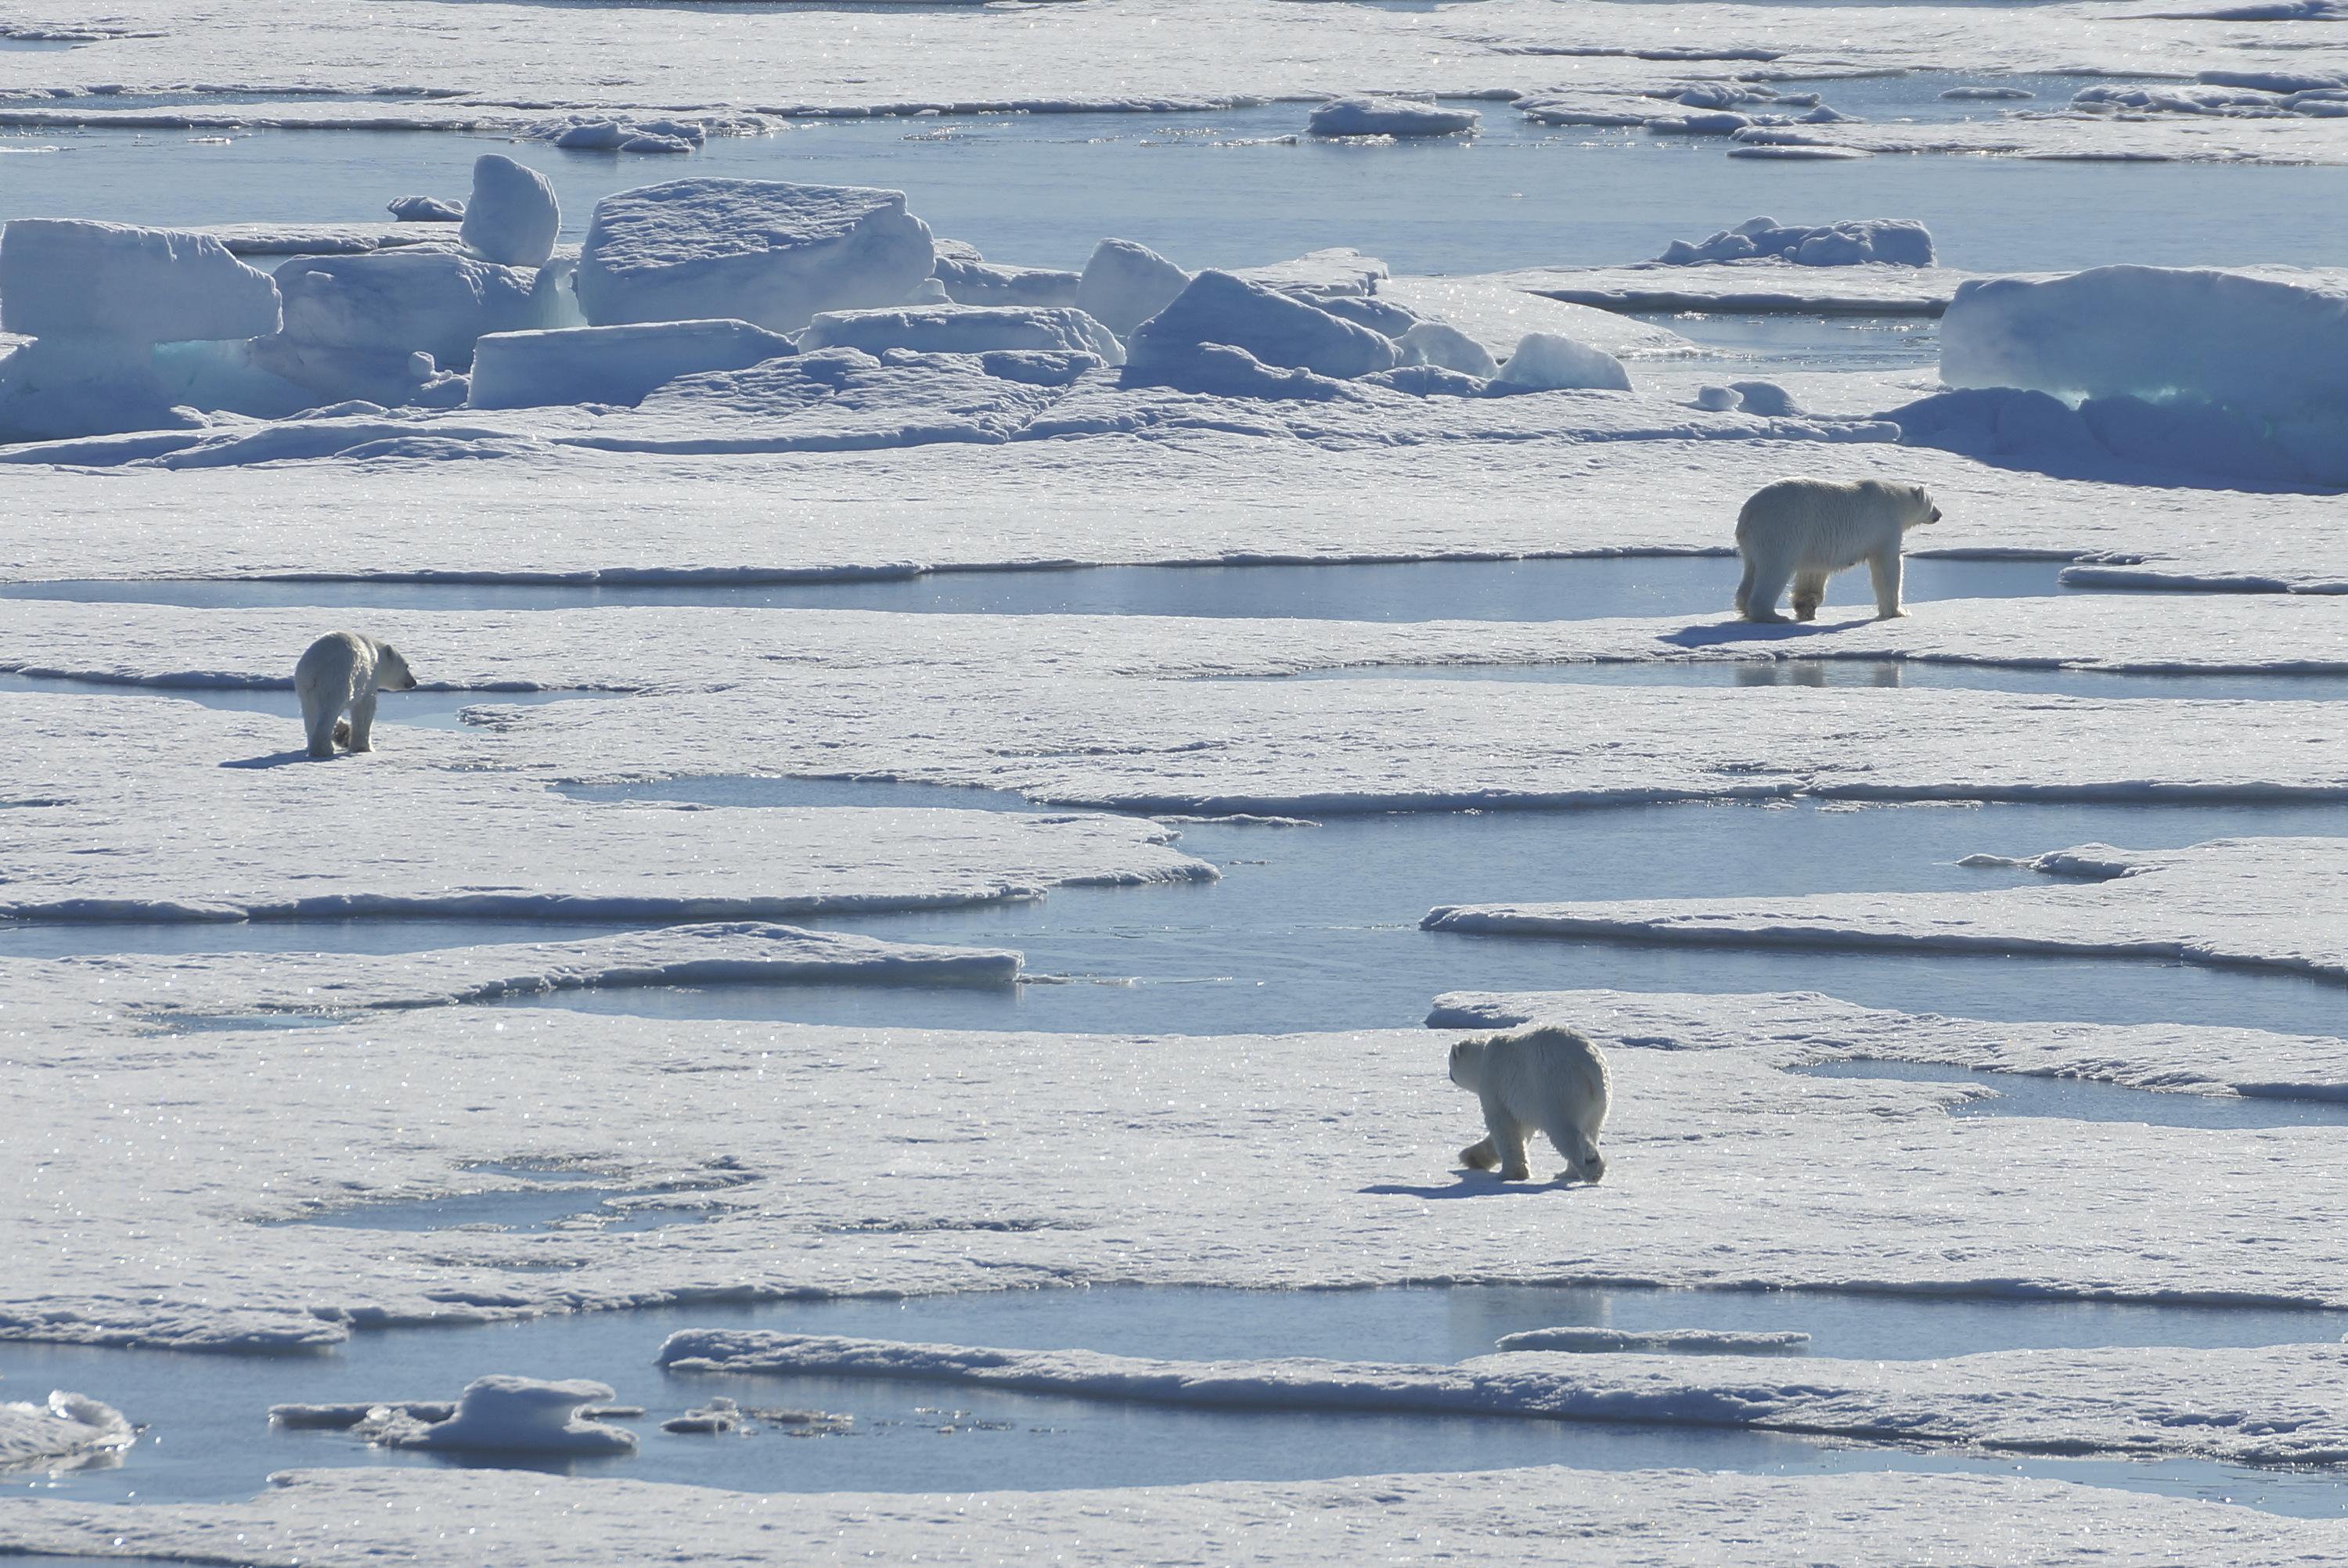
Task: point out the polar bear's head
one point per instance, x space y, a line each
391 672
1467 1065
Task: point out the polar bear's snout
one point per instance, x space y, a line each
341 673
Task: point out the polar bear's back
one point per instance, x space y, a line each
1547 1067
1830 524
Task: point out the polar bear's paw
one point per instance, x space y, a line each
341 732
1479 1156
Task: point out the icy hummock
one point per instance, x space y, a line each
759 250
1376 116
505 1414
1850 242
513 217
66 1431
2245 377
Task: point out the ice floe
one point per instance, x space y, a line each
505 1414
2228 901
2244 1406
1674 1341
64 1430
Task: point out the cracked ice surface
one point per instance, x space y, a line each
2228 901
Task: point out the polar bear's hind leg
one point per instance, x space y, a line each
362 725
1508 1140
1809 592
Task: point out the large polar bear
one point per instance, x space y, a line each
1543 1076
1809 529
342 671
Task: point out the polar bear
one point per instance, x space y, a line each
1543 1076
343 671
1809 529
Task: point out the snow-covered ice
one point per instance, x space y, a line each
608 364
1371 115
511 218
964 329
758 251
1849 242
505 1414
64 1431
2228 901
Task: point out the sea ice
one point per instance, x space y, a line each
1437 344
2245 376
95 298
512 218
963 329
610 364
1545 362
1124 285
67 1430
1899 241
2228 901
356 324
1218 310
970 280
501 1413
1388 117
758 251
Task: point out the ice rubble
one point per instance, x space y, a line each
1850 242
395 328
758 251
66 1431
2244 378
610 364
964 329
95 298
505 1414
1375 116
2223 902
1124 285
2237 1406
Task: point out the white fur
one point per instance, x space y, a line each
1807 530
341 672
1543 1076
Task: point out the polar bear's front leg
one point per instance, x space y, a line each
363 724
1885 567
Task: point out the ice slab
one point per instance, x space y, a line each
513 217
1374 115
610 364
758 251
67 278
2229 901
964 329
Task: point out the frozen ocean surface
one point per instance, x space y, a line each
1230 188
1559 588
208 1437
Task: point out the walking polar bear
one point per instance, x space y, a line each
1545 1076
340 672
1809 529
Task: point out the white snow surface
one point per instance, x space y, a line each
2266 1406
2227 901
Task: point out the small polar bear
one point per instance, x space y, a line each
340 672
1809 529
1545 1076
